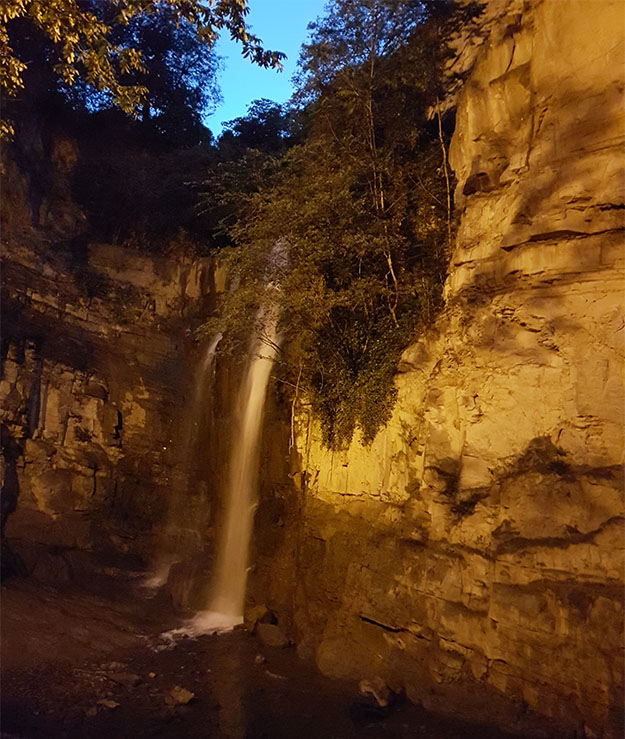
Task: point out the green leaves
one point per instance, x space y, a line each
361 204
82 37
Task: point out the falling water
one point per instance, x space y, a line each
179 528
206 374
225 609
228 592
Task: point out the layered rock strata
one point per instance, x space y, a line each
473 554
95 381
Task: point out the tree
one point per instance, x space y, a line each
361 206
178 72
264 128
245 154
83 44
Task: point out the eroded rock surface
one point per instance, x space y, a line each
474 552
472 556
95 380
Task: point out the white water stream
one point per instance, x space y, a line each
227 599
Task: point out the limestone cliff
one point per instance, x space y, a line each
95 378
98 363
473 554
475 550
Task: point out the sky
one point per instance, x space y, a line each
281 24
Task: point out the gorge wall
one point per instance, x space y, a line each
96 382
474 551
473 554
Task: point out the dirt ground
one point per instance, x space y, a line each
88 660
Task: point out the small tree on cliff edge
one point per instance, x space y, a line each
83 44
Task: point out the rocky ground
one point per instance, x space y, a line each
87 659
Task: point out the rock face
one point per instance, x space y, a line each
473 554
94 385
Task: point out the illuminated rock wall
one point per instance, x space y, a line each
475 550
96 375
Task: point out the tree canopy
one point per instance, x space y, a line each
265 128
178 71
85 43
362 203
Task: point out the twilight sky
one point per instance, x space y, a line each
281 24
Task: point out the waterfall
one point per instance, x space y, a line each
227 595
183 519
228 591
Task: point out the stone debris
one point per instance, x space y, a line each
179 696
253 616
109 666
274 675
377 689
107 703
127 679
271 635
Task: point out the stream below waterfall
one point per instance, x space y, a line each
86 659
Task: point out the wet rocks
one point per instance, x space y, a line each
262 622
188 581
271 635
376 701
377 689
254 615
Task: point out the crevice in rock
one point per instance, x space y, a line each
611 206
551 542
385 627
117 429
562 234
94 483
